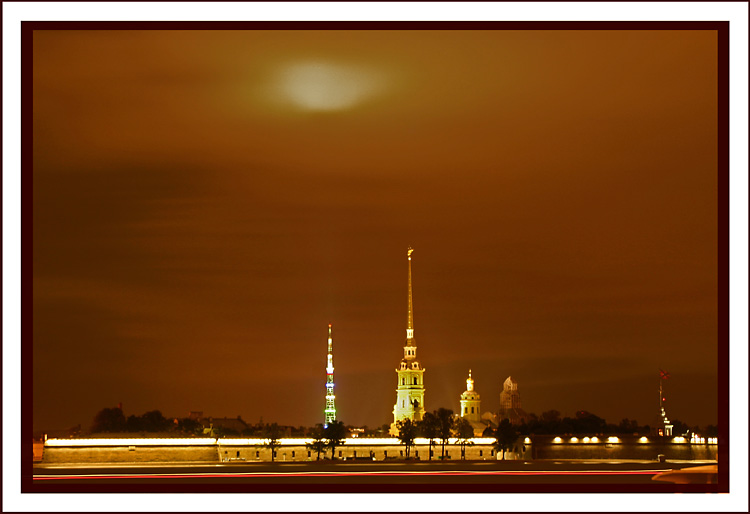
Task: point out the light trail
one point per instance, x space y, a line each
324 474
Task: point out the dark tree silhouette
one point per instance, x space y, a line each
628 426
445 427
109 420
154 421
319 443
272 433
679 428
505 436
464 432
189 426
407 431
134 424
428 427
335 433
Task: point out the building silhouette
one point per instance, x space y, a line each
510 403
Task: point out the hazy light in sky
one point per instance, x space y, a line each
321 86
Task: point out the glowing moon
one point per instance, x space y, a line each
323 86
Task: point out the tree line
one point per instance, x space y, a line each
113 420
441 425
551 423
437 426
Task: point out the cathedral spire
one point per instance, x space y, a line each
410 314
410 389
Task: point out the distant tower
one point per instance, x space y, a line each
410 390
666 429
470 402
330 397
510 398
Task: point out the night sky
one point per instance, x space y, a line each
205 203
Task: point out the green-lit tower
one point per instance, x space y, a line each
330 397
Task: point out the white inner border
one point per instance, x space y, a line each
735 12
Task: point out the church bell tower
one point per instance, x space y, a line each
410 387
470 402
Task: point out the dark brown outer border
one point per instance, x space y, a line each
366 488
375 25
723 251
27 31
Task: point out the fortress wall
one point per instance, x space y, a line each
94 454
625 451
300 453
539 449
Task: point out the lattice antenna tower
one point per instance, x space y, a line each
330 411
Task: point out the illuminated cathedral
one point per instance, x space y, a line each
410 386
470 402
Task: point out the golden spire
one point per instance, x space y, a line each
410 316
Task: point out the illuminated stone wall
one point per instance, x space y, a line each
131 454
360 452
248 451
626 448
538 447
